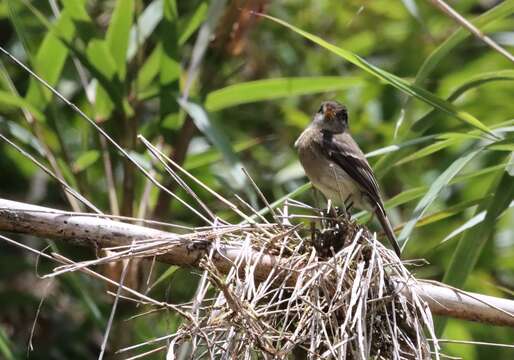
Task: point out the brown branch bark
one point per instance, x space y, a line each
93 230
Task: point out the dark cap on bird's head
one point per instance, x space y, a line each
331 116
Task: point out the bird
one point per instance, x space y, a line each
337 167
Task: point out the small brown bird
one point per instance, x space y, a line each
337 167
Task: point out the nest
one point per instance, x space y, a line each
330 295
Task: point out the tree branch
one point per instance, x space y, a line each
186 250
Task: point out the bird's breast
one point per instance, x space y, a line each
325 175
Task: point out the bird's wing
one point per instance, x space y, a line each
343 151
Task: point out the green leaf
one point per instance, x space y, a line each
393 80
5 345
427 150
170 63
432 61
190 25
414 193
165 275
475 220
146 24
471 244
118 34
85 160
97 58
8 99
152 16
100 57
85 28
23 135
149 70
448 212
500 11
433 192
425 122
195 161
269 89
49 61
217 138
396 147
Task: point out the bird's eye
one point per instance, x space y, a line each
320 109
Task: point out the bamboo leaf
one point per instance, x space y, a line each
426 151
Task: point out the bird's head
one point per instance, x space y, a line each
331 116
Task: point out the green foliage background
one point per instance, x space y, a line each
424 96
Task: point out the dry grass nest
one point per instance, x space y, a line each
331 294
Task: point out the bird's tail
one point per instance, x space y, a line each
388 229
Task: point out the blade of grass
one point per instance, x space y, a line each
391 79
448 212
472 242
165 275
269 89
432 193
